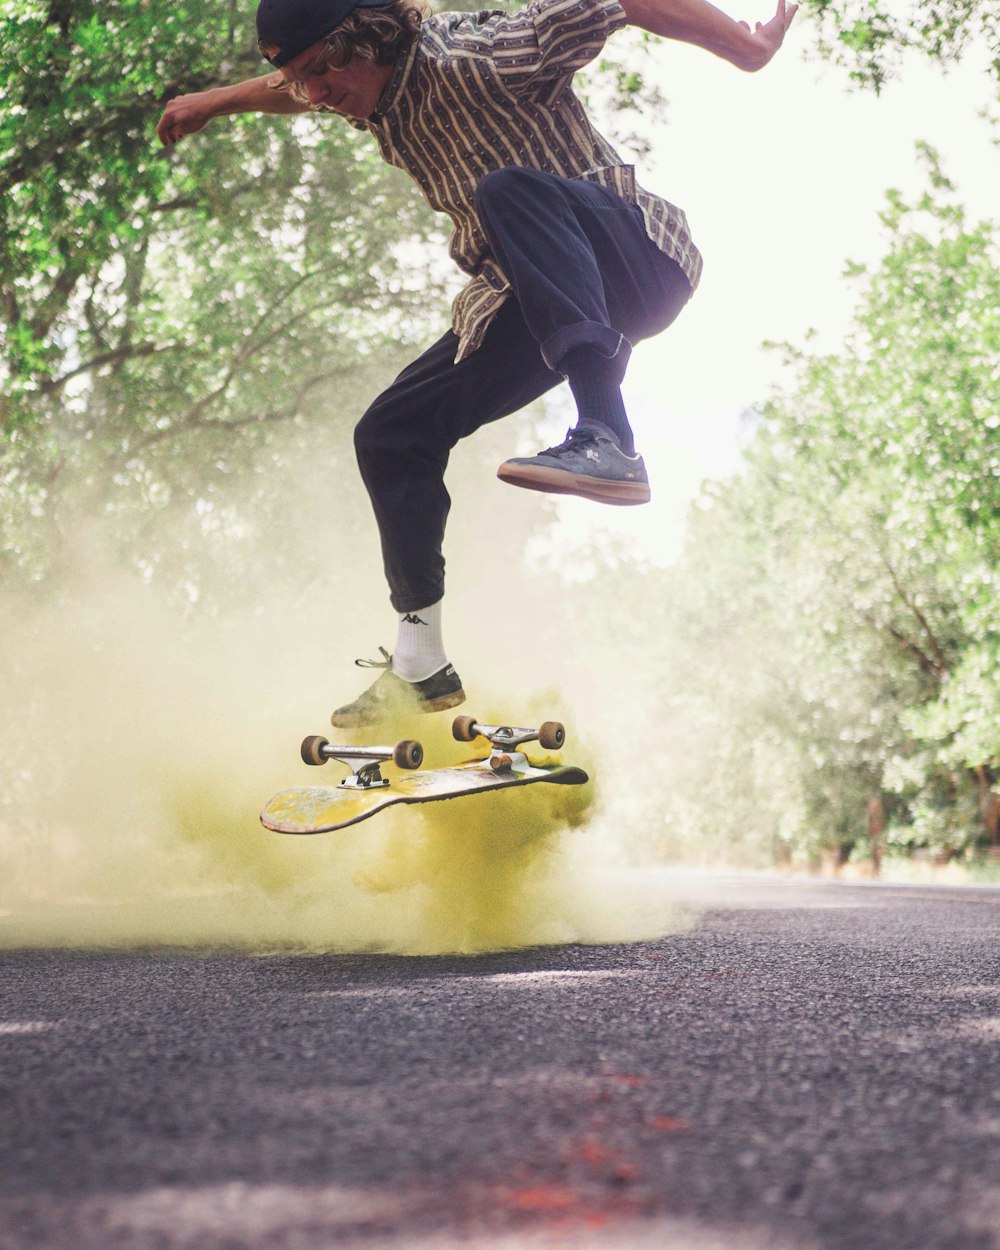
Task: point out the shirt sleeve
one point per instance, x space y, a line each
547 40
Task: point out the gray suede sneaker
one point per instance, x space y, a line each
390 696
588 462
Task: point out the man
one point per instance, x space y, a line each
570 260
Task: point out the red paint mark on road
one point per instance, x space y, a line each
561 1209
593 1152
669 1124
547 1198
610 1165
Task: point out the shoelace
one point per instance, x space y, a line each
574 438
385 662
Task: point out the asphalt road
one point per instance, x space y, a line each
810 1066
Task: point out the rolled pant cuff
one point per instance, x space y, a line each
413 603
593 334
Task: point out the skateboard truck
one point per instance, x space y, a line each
364 762
504 738
321 809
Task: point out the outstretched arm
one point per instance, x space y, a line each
186 114
701 23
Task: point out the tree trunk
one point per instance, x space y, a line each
876 827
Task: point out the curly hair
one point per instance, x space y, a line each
378 35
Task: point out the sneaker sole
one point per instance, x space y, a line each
558 482
357 720
443 701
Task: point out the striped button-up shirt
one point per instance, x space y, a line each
479 91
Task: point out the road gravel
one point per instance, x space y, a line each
810 1066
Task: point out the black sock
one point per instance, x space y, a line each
593 379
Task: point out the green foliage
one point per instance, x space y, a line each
871 36
182 331
834 627
626 104
177 324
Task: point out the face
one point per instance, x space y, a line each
353 91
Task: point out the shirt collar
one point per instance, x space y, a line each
394 87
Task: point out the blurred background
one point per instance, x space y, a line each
790 659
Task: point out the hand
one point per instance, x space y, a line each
184 115
766 39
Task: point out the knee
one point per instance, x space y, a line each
500 185
390 432
371 436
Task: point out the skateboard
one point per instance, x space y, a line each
320 809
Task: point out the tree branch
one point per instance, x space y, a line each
238 423
11 308
58 296
188 201
89 313
927 665
115 356
249 347
940 662
135 113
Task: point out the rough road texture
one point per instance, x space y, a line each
810 1066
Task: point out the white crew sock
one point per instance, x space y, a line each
419 650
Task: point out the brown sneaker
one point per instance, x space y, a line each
390 696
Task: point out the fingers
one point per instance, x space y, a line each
167 130
782 18
175 123
169 136
769 36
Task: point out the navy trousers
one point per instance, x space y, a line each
583 273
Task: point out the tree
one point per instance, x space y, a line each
833 627
871 35
183 330
164 313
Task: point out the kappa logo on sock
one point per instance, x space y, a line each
411 618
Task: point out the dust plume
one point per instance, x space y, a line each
137 749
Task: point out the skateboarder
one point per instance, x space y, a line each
570 261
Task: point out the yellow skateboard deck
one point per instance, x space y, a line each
320 809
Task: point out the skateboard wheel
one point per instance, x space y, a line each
312 749
463 729
408 754
551 735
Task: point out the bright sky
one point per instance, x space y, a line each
782 175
